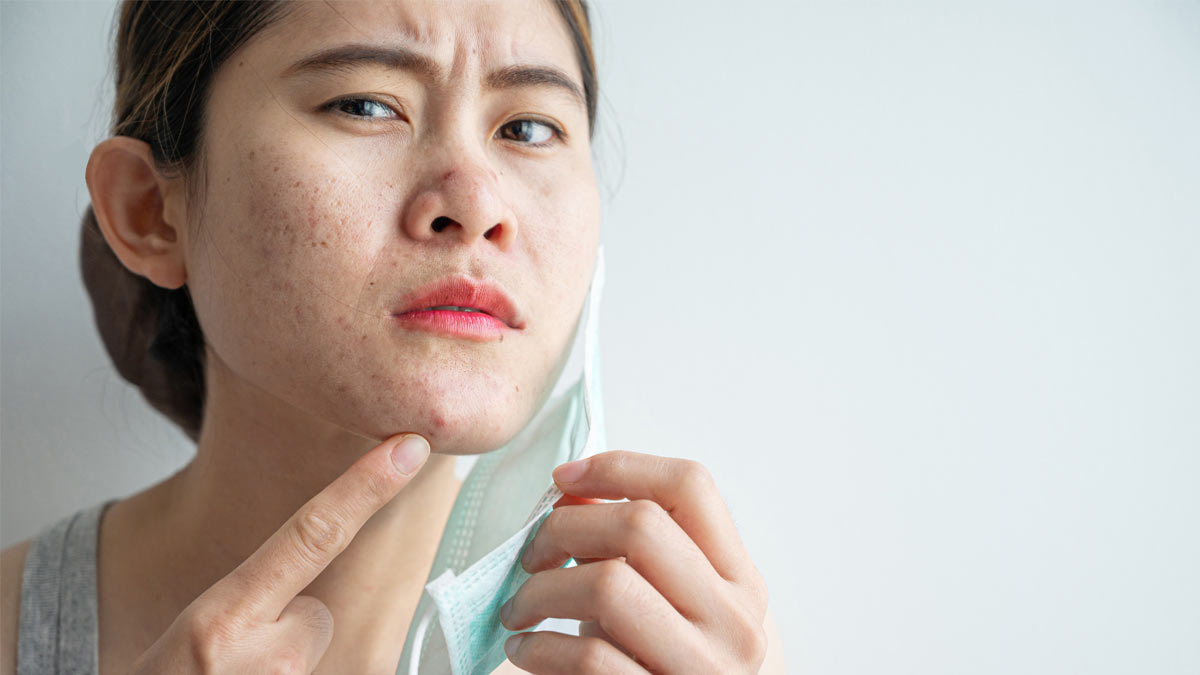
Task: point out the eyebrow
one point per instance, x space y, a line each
344 58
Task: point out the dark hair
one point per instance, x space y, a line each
166 55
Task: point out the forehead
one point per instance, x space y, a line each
458 34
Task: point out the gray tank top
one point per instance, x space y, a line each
58 629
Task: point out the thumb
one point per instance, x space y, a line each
307 627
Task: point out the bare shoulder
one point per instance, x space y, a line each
772 664
12 562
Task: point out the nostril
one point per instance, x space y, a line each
493 233
440 223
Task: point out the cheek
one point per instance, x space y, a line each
297 221
565 250
287 249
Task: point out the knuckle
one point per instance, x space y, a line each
623 459
319 533
208 633
750 639
614 583
758 646
644 519
610 463
761 594
694 477
379 487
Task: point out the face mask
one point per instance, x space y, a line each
477 567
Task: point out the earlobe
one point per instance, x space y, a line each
128 199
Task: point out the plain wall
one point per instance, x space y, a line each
919 282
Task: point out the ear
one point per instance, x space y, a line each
140 212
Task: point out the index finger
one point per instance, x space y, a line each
321 529
683 488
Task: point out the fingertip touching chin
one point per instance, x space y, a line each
473 428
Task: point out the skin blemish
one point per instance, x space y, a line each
458 384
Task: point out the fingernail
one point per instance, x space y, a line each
571 472
512 644
410 453
505 610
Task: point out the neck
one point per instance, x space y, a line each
258 461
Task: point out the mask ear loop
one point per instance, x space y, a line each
592 409
419 640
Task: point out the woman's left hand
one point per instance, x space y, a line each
664 583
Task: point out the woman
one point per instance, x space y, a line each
339 244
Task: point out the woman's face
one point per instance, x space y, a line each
426 148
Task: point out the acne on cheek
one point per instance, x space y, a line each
307 205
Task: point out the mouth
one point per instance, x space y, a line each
460 306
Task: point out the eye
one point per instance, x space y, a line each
531 132
357 106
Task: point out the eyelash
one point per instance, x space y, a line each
336 105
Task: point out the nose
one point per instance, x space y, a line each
464 203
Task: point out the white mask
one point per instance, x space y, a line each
477 567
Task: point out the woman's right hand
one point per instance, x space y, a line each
253 620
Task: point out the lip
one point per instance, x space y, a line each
497 312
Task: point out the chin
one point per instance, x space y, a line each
461 418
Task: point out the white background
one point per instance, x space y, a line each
918 281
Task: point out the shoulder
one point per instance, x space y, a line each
12 562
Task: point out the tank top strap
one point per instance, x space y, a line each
58 627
